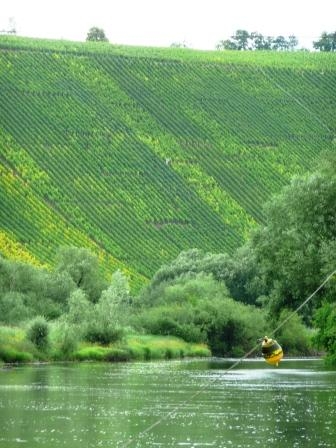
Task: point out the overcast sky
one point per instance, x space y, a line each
199 23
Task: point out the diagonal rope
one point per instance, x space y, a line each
303 303
235 364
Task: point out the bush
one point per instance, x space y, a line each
294 336
38 333
90 354
197 308
117 355
325 321
103 334
10 355
230 328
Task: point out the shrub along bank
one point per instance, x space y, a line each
16 346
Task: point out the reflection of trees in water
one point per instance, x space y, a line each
39 378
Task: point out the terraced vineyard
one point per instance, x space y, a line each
141 153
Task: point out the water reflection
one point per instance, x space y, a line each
197 403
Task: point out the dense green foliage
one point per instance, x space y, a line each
295 250
237 271
96 34
243 40
26 291
83 268
138 154
327 42
198 308
325 320
38 333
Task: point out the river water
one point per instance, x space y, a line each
182 404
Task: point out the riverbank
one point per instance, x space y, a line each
16 348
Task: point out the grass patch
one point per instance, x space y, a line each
98 353
146 347
11 335
142 348
16 348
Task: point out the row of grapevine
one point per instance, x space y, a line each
37 227
144 155
142 88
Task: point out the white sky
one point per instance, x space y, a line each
199 23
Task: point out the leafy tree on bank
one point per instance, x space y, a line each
96 34
238 272
83 268
38 333
26 291
100 322
115 301
198 308
294 251
327 42
79 309
14 308
325 321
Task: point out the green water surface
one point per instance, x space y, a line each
184 404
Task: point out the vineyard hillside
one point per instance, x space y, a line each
140 153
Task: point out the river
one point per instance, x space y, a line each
182 404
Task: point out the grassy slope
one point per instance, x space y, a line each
139 153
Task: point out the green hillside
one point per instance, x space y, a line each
140 153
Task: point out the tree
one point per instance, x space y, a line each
294 250
38 333
83 268
198 308
79 309
279 43
13 308
292 42
238 272
96 34
327 42
227 45
325 321
239 41
260 42
44 292
243 40
114 302
179 45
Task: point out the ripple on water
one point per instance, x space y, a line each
105 405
